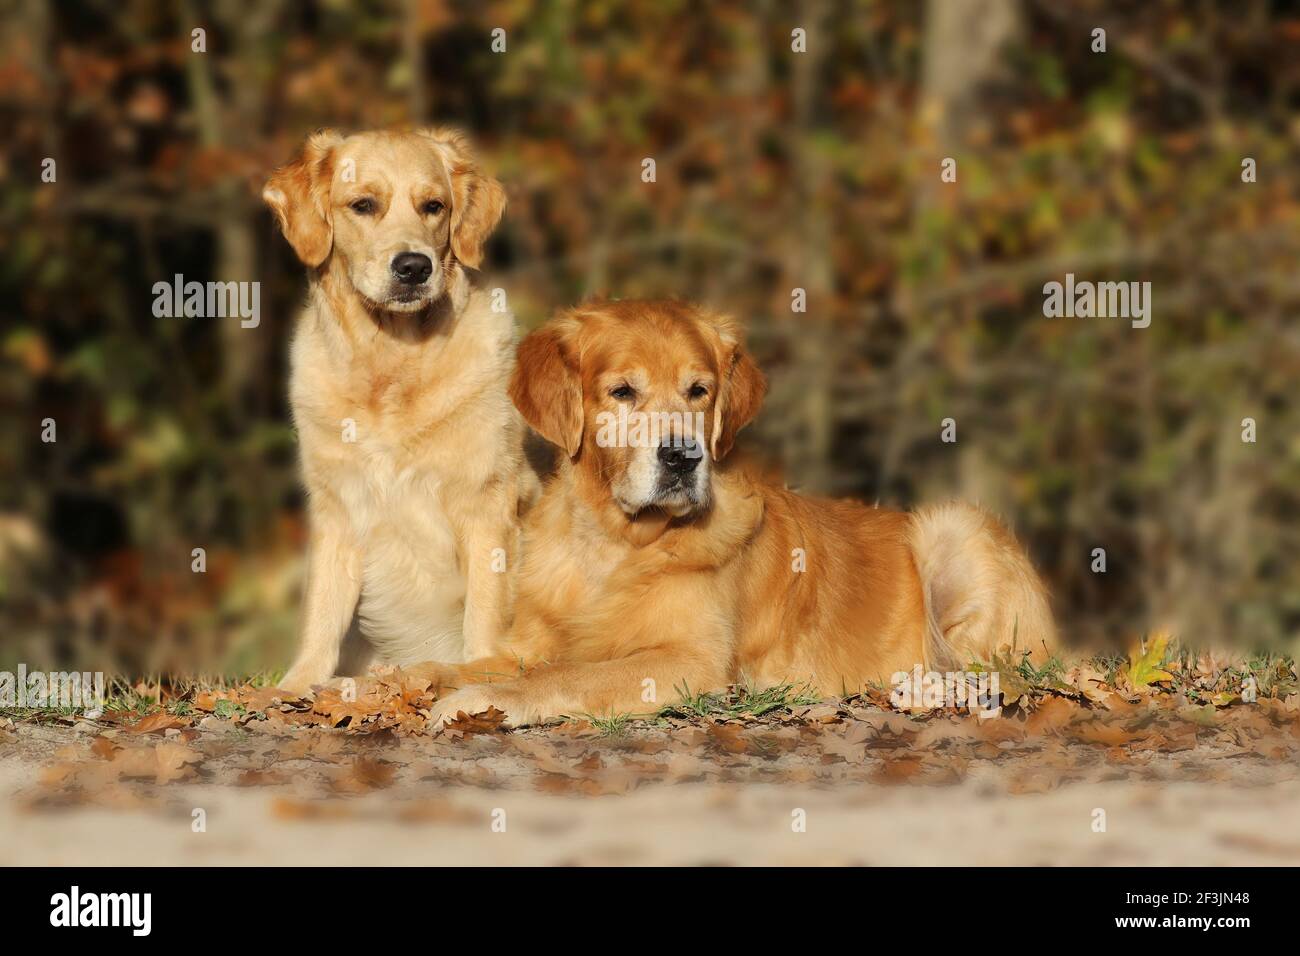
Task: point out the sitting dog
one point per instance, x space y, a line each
411 449
652 564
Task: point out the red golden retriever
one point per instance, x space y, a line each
653 563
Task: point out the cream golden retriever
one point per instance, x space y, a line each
654 564
411 450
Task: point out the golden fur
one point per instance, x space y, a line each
619 606
410 446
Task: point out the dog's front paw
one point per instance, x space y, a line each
477 699
301 679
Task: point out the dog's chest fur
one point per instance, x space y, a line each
406 435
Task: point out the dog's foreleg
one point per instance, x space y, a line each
446 678
639 684
492 549
332 590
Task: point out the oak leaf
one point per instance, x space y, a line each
156 723
172 762
332 705
487 722
1145 663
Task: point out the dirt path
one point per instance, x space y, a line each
869 789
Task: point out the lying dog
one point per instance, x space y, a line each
411 450
651 566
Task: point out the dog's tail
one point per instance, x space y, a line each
981 592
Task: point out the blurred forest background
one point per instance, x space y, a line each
776 170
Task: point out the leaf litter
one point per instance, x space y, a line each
1154 715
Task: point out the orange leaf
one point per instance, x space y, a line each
157 722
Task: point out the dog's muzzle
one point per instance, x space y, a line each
680 457
411 268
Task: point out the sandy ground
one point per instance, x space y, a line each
671 797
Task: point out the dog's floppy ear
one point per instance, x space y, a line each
546 385
477 200
741 387
298 194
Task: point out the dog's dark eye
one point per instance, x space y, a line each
623 392
432 207
697 391
362 207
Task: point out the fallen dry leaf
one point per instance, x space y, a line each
487 722
364 775
729 737
315 745
260 778
1090 682
173 761
104 748
343 712
1145 663
1096 732
1052 715
898 770
157 723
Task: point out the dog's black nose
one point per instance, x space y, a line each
412 268
680 457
